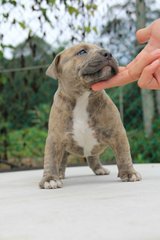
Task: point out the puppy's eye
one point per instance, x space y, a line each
82 52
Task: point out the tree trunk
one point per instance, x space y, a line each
147 95
121 104
158 101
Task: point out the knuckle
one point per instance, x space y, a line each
140 84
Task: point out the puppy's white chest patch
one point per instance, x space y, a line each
82 133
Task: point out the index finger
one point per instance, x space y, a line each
131 72
120 79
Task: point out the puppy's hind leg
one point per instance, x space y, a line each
96 166
63 165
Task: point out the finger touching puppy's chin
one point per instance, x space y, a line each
104 74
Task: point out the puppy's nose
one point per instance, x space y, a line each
106 54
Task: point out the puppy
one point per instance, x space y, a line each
83 122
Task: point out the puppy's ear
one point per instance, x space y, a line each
54 68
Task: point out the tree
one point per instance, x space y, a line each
47 14
158 101
147 95
25 95
27 89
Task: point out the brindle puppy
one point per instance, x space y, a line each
83 122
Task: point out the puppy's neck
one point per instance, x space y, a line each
72 92
76 93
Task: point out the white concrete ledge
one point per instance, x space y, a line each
89 207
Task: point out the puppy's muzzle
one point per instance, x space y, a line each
100 67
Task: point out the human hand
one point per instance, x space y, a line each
150 77
150 34
145 67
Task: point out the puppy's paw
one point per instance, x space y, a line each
130 176
101 171
61 176
50 183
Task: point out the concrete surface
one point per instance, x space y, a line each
88 207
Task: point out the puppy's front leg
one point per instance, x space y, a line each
127 173
52 159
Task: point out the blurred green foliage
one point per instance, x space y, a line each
27 142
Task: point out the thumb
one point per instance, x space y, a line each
143 35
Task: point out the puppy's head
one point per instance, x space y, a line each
82 65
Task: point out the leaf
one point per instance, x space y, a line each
1 54
73 10
91 6
95 30
22 25
7 46
52 2
14 3
23 6
87 29
44 12
3 80
6 15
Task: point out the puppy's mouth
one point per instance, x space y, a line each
104 74
100 73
